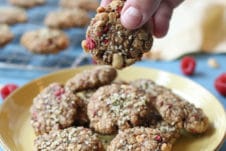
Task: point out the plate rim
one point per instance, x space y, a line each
54 73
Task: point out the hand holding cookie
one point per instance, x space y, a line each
156 13
109 42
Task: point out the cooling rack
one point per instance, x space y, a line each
14 55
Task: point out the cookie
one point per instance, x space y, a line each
173 109
45 41
140 139
82 117
171 132
27 3
12 15
116 106
53 109
67 18
70 139
110 43
89 5
5 35
92 78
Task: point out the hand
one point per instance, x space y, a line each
156 13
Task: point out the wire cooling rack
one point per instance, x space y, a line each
14 55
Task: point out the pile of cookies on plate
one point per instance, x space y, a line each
93 111
49 39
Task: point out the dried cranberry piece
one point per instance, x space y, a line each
188 65
59 92
220 84
158 138
90 43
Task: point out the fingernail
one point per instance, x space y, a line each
131 18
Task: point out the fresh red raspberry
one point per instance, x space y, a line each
220 84
188 65
7 89
90 43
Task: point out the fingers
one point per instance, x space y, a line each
105 2
161 19
136 13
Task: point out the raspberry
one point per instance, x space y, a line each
7 89
188 65
220 84
90 43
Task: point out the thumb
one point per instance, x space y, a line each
136 13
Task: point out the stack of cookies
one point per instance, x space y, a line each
92 105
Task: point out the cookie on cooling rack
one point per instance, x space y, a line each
140 138
12 15
117 106
5 35
45 41
91 78
77 139
109 42
53 109
89 5
67 18
27 3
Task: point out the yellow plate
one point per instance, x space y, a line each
16 133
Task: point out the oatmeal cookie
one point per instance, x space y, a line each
5 35
12 15
53 109
174 109
67 18
116 106
45 41
140 139
89 5
92 78
27 3
70 139
110 43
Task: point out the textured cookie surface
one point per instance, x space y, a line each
89 5
140 139
12 15
67 18
110 43
70 139
5 35
174 109
53 109
45 41
90 79
27 3
116 106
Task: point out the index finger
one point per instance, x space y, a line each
105 2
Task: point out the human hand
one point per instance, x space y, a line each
156 13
